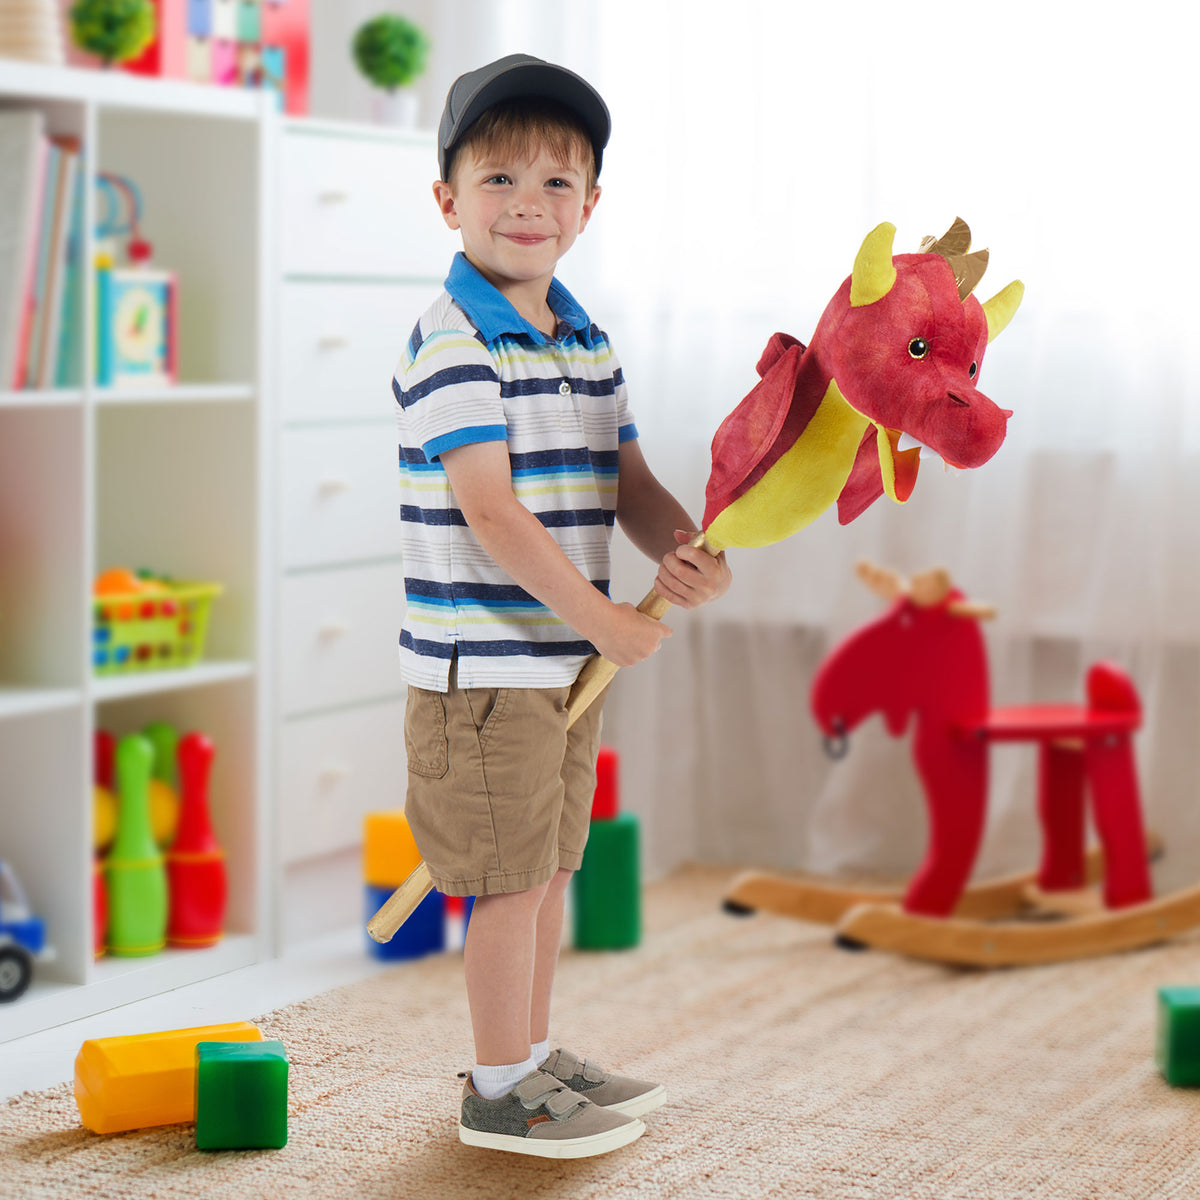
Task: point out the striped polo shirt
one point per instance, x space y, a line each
474 370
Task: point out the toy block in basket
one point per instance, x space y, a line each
141 622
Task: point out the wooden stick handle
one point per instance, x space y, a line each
597 673
400 905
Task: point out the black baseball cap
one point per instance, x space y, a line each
519 75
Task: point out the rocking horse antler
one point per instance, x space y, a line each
925 589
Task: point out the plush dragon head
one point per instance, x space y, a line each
891 373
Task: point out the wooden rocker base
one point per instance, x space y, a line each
825 903
1017 943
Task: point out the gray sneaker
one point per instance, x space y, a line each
617 1093
542 1116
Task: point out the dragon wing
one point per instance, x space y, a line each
747 434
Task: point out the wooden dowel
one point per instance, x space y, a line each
596 674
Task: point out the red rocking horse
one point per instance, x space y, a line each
925 658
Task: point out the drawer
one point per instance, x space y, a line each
335 769
340 636
339 345
361 206
340 494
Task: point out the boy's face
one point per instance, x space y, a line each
517 216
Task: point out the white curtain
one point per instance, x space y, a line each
754 145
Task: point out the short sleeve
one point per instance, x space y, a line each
450 393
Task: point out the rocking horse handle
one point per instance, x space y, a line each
596 675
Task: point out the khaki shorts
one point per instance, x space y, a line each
499 792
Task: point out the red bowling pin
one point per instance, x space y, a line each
195 862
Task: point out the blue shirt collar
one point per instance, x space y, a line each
494 315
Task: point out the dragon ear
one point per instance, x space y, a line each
1001 308
873 273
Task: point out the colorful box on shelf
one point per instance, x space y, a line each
143 631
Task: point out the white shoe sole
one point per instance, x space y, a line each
637 1105
585 1147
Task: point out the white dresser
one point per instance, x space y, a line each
361 253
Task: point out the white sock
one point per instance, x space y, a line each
493 1082
540 1051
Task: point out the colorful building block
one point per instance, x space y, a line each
607 887
390 853
1178 1044
606 802
423 933
241 1095
145 1079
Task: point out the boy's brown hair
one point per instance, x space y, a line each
519 127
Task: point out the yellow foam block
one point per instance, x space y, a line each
145 1079
390 854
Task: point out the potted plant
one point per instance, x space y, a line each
392 52
113 30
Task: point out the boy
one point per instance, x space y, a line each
517 453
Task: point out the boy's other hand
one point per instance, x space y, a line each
689 576
629 636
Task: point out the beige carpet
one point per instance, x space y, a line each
794 1069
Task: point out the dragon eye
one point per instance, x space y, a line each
918 347
972 372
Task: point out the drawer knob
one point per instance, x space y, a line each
331 487
333 629
333 197
334 773
333 341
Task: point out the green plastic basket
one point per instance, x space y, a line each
140 631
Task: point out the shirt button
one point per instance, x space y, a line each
564 388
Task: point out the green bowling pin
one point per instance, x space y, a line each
165 741
136 877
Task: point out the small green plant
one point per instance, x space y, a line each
113 30
390 50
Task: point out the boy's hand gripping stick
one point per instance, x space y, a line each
597 673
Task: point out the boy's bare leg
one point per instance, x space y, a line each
549 939
502 936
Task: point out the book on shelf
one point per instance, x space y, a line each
41 213
23 154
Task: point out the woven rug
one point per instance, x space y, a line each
793 1068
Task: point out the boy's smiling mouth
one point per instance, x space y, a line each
527 239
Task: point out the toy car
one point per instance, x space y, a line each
22 937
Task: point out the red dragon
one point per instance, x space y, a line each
892 369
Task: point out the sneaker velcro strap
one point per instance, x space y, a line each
567 1065
592 1073
541 1088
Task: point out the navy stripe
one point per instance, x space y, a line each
426 648
509 647
557 518
567 518
414 342
397 392
432 516
448 377
568 457
414 456
546 386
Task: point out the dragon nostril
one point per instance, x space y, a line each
959 400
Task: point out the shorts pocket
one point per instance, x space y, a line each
425 733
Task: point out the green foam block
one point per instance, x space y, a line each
1178 1043
241 1095
608 888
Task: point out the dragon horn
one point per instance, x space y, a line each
873 273
1000 309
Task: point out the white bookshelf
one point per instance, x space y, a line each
179 479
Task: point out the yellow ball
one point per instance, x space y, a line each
104 818
164 812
